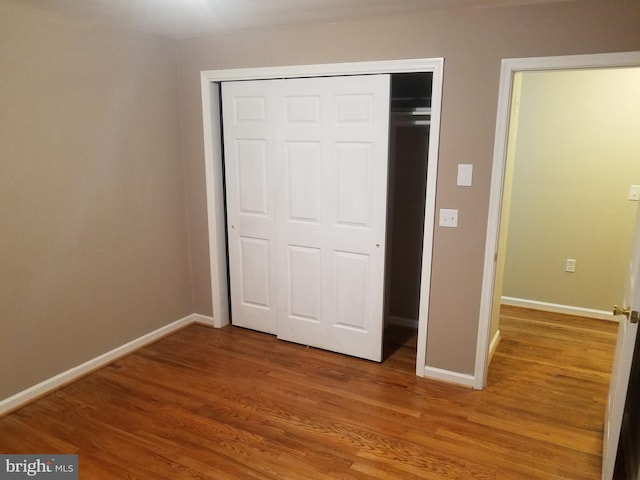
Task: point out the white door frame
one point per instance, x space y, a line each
210 81
508 70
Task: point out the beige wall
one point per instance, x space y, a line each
93 233
576 154
473 42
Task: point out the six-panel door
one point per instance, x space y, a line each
308 241
250 175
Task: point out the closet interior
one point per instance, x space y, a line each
410 119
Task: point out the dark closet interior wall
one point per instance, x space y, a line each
410 158
408 180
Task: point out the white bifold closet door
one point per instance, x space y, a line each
306 176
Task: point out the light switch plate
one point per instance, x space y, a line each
465 175
448 217
634 193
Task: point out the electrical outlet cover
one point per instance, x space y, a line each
448 217
570 265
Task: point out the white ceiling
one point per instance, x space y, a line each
189 18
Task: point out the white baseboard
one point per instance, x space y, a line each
202 319
402 321
557 308
21 398
448 376
495 341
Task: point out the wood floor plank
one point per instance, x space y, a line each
236 404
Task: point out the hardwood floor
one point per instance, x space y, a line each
231 403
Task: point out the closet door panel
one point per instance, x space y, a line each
302 109
254 272
352 292
302 294
251 209
304 283
303 175
331 153
353 181
251 177
306 173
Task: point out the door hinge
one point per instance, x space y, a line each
617 310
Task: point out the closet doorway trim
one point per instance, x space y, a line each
210 88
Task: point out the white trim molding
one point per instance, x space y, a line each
32 393
448 376
202 319
558 308
508 69
493 346
210 88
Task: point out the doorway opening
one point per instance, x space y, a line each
409 130
611 120
492 290
211 81
566 221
